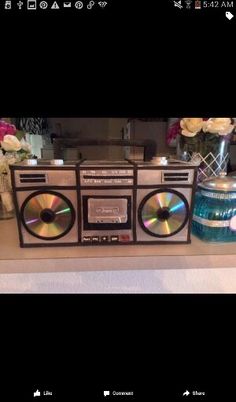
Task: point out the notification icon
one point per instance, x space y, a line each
229 15
31 4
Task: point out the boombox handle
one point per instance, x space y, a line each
149 146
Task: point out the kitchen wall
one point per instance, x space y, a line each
79 127
89 128
152 130
233 156
110 128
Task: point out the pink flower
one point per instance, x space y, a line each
6 128
173 132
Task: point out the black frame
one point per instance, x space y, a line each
78 188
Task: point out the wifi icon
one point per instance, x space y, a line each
102 3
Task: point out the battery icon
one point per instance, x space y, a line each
198 5
31 4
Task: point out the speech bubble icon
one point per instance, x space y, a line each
229 15
106 393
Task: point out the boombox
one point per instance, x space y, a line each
103 202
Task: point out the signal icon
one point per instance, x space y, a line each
102 3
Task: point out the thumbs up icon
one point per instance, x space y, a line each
37 393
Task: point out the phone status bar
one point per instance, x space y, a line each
34 5
225 7
174 9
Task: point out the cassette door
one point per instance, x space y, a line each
107 216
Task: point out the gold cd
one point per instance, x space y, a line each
164 213
48 215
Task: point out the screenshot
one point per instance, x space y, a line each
117 200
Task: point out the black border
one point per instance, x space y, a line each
79 216
73 214
177 337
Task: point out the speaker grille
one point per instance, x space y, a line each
32 178
177 177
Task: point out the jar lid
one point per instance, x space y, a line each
220 183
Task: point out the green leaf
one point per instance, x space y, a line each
20 134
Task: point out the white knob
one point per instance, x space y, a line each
31 162
159 160
57 162
222 174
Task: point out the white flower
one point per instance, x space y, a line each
219 125
10 143
25 146
191 126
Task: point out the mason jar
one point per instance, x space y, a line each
214 217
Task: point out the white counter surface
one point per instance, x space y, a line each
197 255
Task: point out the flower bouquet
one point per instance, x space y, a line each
205 142
13 148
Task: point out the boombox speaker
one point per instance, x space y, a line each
46 205
164 203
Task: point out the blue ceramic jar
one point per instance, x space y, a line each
214 217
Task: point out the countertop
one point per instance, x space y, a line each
198 254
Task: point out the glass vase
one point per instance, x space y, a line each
210 151
7 210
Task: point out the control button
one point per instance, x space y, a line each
87 239
107 181
57 162
95 239
104 239
125 237
114 239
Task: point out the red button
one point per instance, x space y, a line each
124 237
